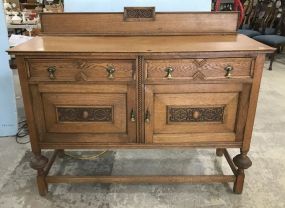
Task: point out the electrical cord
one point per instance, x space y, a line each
22 132
92 157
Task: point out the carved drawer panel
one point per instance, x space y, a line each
198 69
85 113
98 114
178 114
191 113
80 70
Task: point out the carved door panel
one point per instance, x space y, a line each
87 113
193 113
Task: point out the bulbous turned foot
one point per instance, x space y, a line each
242 161
38 162
61 153
220 152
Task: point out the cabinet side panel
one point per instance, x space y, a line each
27 97
258 69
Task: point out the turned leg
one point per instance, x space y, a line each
272 56
61 153
219 152
38 162
243 162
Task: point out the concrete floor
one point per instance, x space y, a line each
264 185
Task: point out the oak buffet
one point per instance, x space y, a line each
151 80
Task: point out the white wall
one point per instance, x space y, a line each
118 5
8 113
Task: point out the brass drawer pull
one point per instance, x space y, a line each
229 70
133 116
147 116
51 71
169 71
110 70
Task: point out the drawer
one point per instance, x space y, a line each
198 69
80 70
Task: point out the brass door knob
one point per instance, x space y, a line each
169 71
196 114
147 116
133 116
85 114
51 71
229 70
110 70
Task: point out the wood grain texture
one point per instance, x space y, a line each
132 108
81 88
29 112
230 161
238 184
103 145
59 139
189 68
38 112
198 87
142 44
114 23
141 179
192 138
242 111
258 69
80 70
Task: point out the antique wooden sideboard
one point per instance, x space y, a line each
140 80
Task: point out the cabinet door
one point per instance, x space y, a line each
86 113
194 113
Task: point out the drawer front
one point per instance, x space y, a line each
86 113
80 70
198 69
192 113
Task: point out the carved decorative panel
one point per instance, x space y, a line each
190 114
139 13
81 76
84 114
199 76
200 62
83 65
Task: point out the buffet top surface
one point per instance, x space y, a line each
141 44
